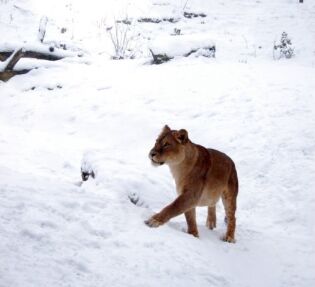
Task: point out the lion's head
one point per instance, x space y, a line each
169 147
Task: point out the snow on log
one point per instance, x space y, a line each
164 48
10 56
50 56
37 51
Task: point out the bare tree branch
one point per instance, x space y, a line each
16 56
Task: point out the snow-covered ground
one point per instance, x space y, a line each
56 231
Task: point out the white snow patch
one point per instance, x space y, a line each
181 45
57 231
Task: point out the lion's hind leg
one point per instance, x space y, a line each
229 201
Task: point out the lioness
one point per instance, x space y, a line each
202 177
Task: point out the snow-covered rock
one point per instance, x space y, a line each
183 45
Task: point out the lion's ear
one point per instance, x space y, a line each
181 136
166 129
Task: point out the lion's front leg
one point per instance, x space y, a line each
180 205
154 221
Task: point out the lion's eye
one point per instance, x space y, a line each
166 145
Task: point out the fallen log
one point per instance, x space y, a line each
49 55
10 58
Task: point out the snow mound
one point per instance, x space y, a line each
181 45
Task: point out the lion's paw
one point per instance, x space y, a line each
153 222
193 233
229 239
211 223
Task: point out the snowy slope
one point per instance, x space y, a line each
55 231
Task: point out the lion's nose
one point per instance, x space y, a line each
153 153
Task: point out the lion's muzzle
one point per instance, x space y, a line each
153 157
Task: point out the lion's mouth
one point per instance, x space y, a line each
156 162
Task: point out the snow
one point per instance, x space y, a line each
57 231
174 46
37 47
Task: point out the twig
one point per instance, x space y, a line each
185 5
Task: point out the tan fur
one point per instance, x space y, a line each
202 177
